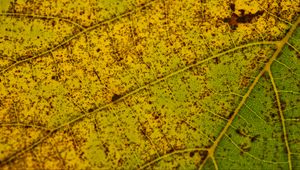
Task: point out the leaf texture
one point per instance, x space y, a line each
160 84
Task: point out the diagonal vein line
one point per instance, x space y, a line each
273 15
24 150
17 124
282 120
224 130
280 45
76 36
256 114
170 154
293 47
42 17
252 156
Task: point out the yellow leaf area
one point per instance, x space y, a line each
149 84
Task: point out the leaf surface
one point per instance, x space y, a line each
155 84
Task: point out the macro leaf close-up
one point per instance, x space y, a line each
150 84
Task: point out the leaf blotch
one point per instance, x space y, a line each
115 97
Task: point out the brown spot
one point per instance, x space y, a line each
95 127
55 78
241 132
254 138
53 131
203 155
120 162
115 97
230 114
91 109
245 81
53 23
273 115
192 153
119 59
170 151
242 12
283 104
247 18
216 60
234 20
245 148
232 7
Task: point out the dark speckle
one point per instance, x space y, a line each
170 151
55 78
232 7
91 109
253 139
242 12
248 17
216 60
203 155
235 19
192 154
240 132
115 97
245 148
53 23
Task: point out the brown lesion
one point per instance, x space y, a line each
241 132
245 147
236 19
115 97
247 18
203 155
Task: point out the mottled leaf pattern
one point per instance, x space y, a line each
149 84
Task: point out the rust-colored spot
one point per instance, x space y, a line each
245 81
232 7
247 18
234 19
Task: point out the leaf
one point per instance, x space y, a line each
149 85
